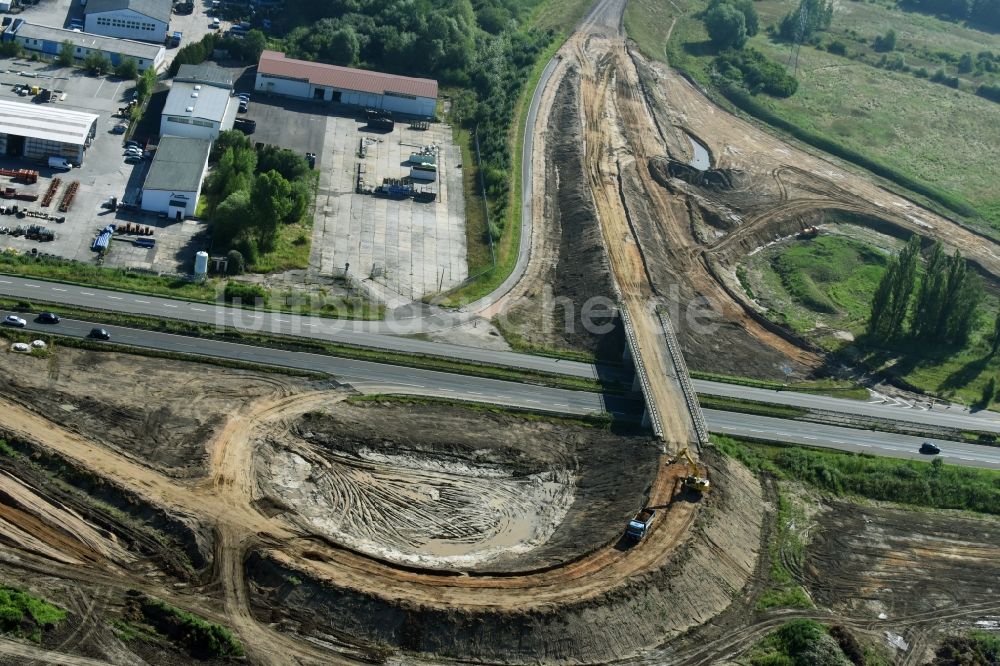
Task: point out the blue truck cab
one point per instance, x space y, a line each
639 526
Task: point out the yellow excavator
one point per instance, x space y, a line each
693 481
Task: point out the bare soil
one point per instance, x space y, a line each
157 412
500 493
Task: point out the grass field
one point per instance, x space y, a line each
948 139
822 290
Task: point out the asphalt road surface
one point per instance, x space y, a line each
369 334
368 376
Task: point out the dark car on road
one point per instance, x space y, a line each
932 449
47 318
100 334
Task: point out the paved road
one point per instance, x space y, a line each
377 376
849 439
358 333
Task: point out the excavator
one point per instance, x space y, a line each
693 481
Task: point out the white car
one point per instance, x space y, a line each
14 320
38 344
20 348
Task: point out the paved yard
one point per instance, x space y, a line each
104 174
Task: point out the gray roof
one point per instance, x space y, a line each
207 74
51 123
155 9
178 165
210 104
88 40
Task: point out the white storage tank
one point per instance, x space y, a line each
201 264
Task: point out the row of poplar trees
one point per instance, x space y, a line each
941 309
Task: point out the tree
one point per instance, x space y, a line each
344 47
726 27
97 63
885 44
995 343
808 18
300 202
750 16
65 57
891 300
254 43
145 84
270 201
127 69
947 302
965 63
231 218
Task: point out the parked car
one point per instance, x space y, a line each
244 125
132 144
20 347
216 23
244 96
119 129
929 448
133 159
47 318
99 334
137 152
14 320
38 344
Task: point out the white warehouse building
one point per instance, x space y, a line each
41 38
278 75
142 20
174 181
38 132
200 103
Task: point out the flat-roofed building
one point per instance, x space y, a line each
278 75
174 181
37 132
49 41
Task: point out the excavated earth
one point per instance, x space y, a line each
420 487
701 578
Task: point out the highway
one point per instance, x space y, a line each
357 333
368 376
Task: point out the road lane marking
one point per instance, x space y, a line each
808 437
57 289
139 301
283 321
33 286
530 400
87 293
167 305
5 281
198 309
115 298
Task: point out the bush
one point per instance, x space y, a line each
837 48
97 63
127 69
235 263
248 294
202 639
757 73
991 93
886 43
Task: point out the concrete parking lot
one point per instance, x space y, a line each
103 174
410 249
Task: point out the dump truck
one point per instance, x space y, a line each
638 526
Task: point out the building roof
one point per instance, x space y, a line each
126 47
207 74
275 63
155 9
210 103
44 121
178 165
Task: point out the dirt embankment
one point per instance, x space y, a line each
576 270
504 494
698 581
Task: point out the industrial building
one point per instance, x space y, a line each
49 41
197 111
278 75
38 132
208 75
142 20
174 181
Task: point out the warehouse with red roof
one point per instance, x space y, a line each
278 75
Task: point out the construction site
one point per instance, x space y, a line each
329 523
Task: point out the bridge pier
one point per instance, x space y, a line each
646 422
627 354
